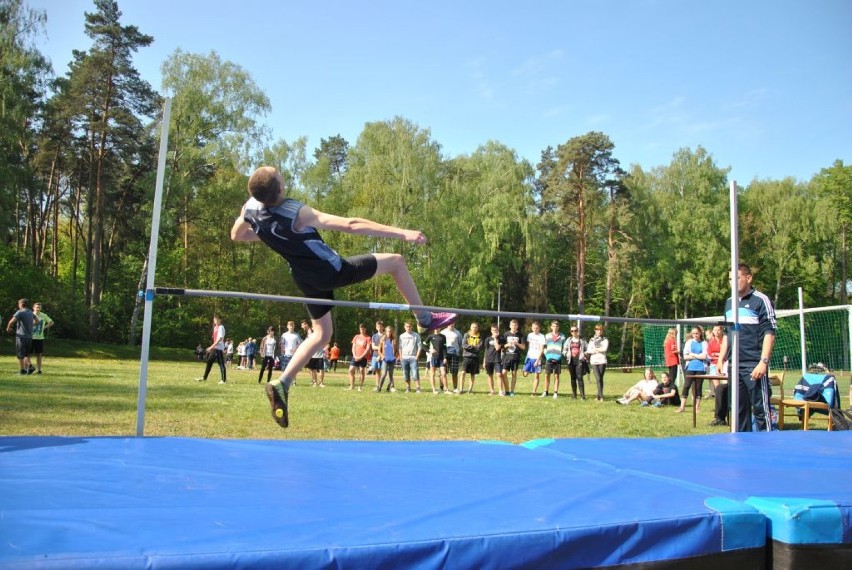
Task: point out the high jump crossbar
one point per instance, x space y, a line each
405 307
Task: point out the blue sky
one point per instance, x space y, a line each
764 85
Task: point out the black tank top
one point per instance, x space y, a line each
306 252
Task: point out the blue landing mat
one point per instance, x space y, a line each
799 480
193 503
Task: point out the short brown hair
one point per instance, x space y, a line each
265 185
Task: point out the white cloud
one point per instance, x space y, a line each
540 72
538 64
482 86
748 99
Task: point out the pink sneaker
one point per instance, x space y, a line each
439 320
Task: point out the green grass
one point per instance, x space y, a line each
93 391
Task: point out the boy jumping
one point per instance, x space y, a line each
290 228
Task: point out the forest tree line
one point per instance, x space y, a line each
578 232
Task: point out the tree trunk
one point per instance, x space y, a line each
74 238
624 330
54 245
185 259
98 252
90 212
610 258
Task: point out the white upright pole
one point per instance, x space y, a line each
848 359
152 269
802 332
847 362
734 362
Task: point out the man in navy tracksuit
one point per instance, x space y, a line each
756 339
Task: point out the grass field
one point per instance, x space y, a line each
93 390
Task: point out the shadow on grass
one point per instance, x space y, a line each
57 347
96 393
23 443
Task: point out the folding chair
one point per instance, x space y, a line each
776 380
815 392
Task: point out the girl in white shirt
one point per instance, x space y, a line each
596 349
268 350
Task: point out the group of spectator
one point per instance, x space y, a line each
699 356
449 352
246 353
709 356
270 352
30 326
649 392
381 353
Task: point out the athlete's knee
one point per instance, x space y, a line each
326 335
391 263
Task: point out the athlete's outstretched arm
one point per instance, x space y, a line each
322 221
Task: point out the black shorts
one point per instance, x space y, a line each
453 363
492 367
23 346
361 363
554 367
470 364
353 270
315 364
511 364
38 346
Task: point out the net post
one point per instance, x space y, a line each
848 360
802 346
